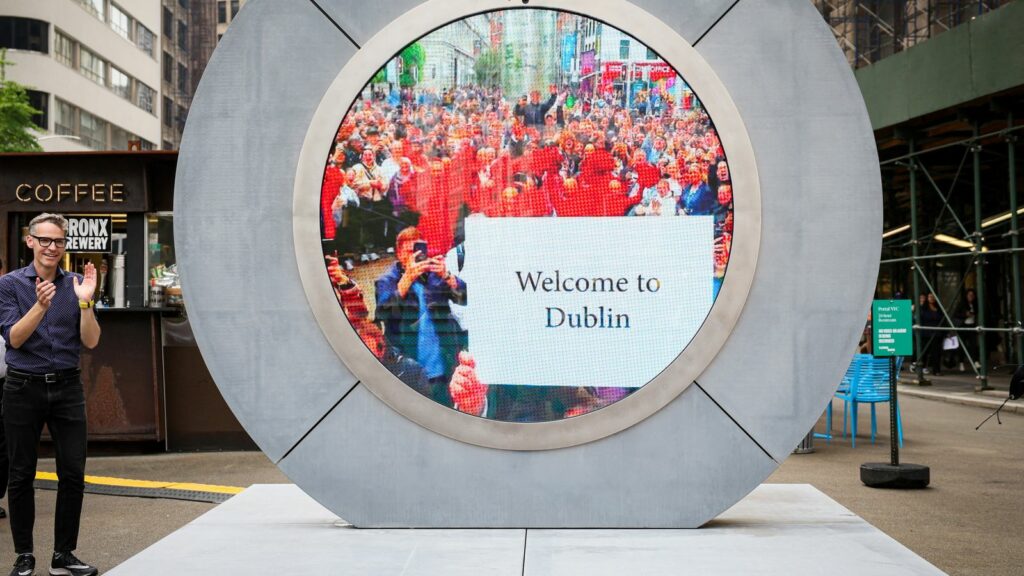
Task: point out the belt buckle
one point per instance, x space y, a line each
50 378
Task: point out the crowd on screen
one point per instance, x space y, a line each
430 159
407 168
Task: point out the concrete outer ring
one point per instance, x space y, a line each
676 377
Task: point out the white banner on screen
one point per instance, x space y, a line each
584 301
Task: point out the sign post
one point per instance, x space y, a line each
892 336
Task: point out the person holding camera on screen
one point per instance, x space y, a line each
413 304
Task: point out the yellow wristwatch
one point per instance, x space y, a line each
85 305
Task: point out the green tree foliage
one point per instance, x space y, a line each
488 68
413 57
380 77
16 124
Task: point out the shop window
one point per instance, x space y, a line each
24 34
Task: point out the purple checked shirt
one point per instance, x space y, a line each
57 341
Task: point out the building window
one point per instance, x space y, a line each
651 55
182 79
182 36
120 83
40 101
119 138
168 112
95 7
234 8
144 144
168 68
64 49
93 130
623 49
144 38
144 96
64 123
92 66
183 3
222 12
182 114
168 24
120 22
24 34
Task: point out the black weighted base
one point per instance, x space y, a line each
885 475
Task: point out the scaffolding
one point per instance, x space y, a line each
950 182
869 30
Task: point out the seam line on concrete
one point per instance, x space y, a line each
756 443
336 25
526 534
715 23
345 395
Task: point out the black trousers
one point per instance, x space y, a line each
3 445
28 404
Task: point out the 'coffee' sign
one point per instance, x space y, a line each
89 234
68 193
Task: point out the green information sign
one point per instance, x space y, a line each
892 326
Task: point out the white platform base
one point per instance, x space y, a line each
790 529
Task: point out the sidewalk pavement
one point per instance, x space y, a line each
968 522
959 388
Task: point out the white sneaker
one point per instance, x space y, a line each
926 371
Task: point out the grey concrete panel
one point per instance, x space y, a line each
679 468
778 529
691 18
359 21
276 529
821 219
233 220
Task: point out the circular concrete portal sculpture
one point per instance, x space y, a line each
384 438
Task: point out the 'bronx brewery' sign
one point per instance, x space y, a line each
89 234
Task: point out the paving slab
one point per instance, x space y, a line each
777 529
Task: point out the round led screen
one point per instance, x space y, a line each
526 215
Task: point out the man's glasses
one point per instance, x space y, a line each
45 242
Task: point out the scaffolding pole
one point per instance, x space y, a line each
1011 153
979 262
918 337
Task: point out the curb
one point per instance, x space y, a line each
963 398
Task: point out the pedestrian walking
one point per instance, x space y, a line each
46 316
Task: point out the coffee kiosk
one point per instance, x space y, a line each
146 382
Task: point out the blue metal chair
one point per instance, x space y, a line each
844 387
868 384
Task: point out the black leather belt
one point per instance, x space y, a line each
49 378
